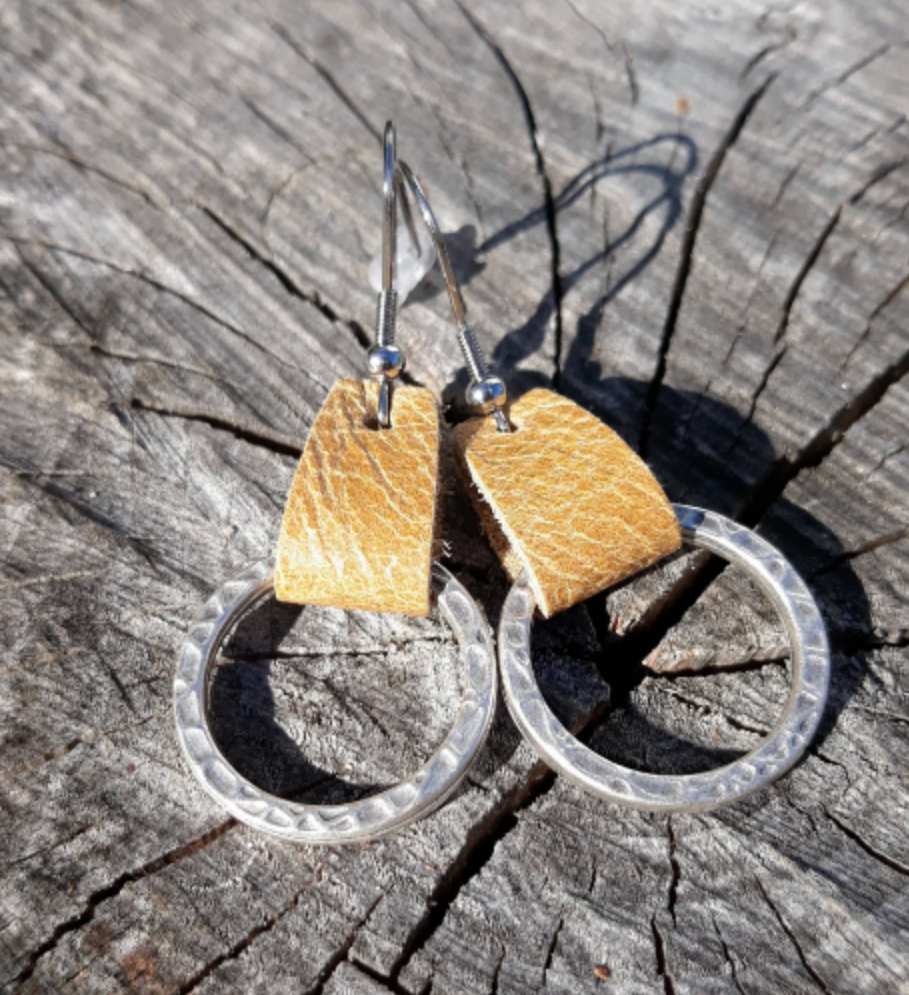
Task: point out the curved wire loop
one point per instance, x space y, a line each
386 360
485 390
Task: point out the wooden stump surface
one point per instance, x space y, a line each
693 219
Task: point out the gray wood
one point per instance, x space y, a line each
690 218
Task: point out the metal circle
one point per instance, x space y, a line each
683 792
366 818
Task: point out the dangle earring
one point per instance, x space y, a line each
358 533
571 510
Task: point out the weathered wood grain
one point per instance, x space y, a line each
690 218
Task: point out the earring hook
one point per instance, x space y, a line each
385 360
485 391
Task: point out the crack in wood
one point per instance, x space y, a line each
861 842
550 950
340 955
695 215
785 469
886 301
81 830
327 78
675 869
549 208
787 929
867 547
144 278
727 956
113 889
274 442
847 74
659 949
802 274
142 545
192 983
759 56
67 155
86 739
631 72
481 841
881 173
276 128
287 282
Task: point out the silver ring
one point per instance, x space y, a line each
366 818
683 792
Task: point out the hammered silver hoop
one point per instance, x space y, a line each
366 818
683 792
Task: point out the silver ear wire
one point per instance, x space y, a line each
385 361
485 391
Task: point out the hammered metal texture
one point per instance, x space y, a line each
683 792
366 818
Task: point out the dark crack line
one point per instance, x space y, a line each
550 950
885 716
888 299
276 128
142 545
112 890
482 839
286 281
238 948
168 364
384 980
53 846
758 393
878 855
675 868
632 73
881 173
868 547
333 651
727 955
51 289
740 667
327 78
686 260
759 57
659 949
787 929
67 155
707 709
273 442
845 75
340 955
785 469
145 278
87 739
494 983
548 198
802 274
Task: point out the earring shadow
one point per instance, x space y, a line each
699 450
242 715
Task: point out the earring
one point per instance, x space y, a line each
357 533
571 510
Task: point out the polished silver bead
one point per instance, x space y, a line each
487 395
385 361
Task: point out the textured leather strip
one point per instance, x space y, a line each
564 498
359 525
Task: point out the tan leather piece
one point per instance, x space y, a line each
564 498
359 524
